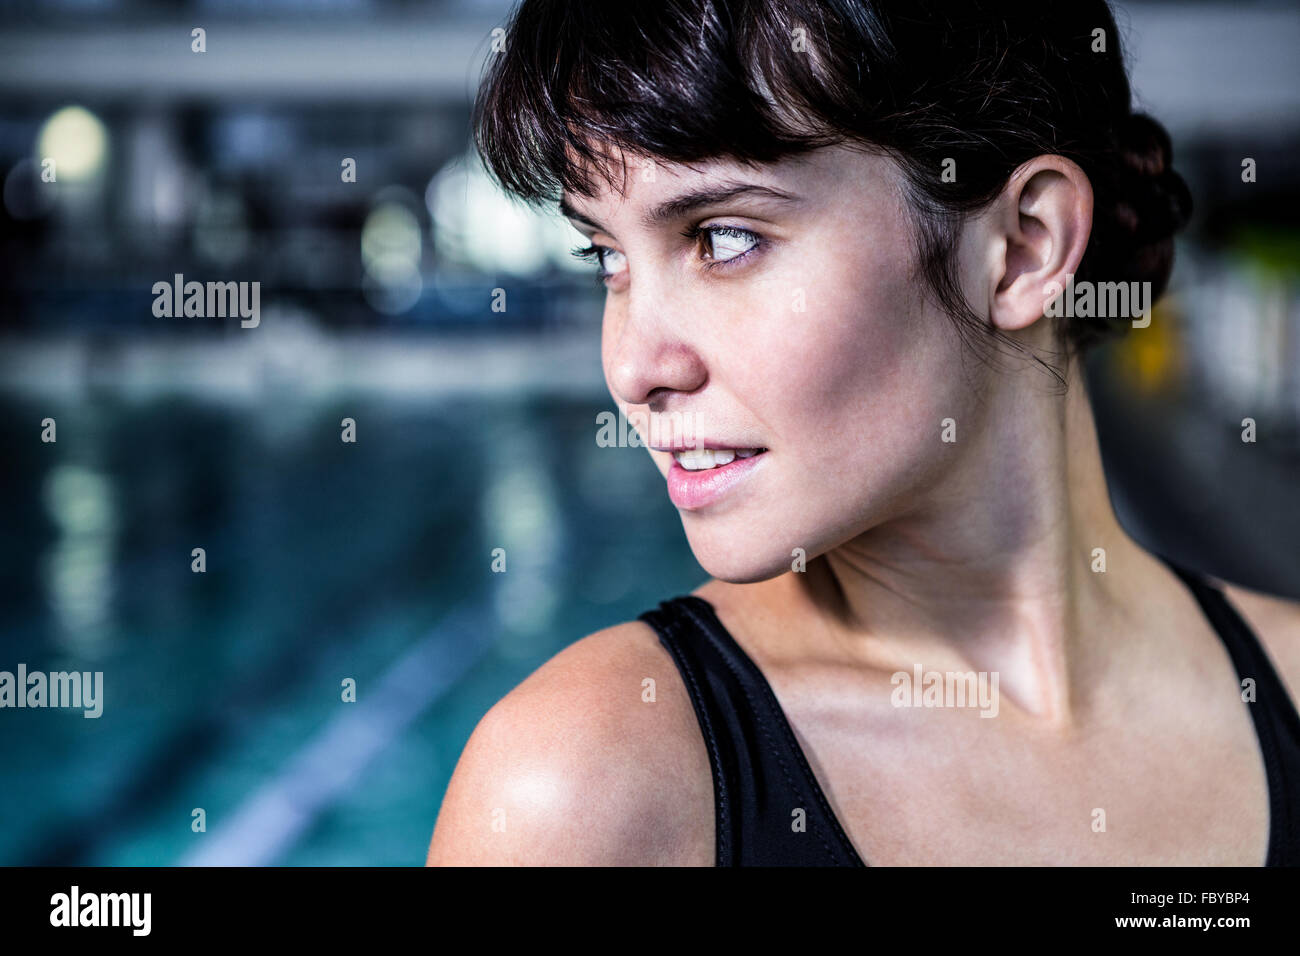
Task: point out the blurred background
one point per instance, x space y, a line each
328 560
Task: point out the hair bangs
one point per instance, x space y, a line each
570 93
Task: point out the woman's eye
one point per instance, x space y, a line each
612 262
728 242
723 244
609 262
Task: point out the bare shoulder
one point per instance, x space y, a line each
595 759
1276 621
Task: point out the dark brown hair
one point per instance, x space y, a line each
989 85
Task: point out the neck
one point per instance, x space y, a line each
993 570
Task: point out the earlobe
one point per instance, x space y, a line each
1044 217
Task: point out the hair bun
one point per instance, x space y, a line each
1154 200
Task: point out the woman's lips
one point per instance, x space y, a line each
693 490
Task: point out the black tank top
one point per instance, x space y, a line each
761 778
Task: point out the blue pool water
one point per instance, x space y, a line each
324 561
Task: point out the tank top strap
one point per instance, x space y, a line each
769 808
1276 720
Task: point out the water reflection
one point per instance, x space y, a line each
78 565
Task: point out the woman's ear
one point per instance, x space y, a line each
1043 218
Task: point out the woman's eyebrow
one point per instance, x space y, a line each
567 210
682 205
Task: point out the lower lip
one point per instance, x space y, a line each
693 490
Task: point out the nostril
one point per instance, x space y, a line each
656 399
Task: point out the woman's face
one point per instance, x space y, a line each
792 323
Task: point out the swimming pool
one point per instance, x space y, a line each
325 561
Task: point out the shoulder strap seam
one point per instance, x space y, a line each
669 637
1244 647
784 728
1282 839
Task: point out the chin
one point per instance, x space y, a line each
744 559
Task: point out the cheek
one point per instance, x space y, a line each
853 391
867 355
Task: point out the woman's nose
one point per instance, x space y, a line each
647 357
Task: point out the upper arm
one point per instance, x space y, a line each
577 765
1276 621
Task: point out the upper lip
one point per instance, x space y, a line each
702 444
